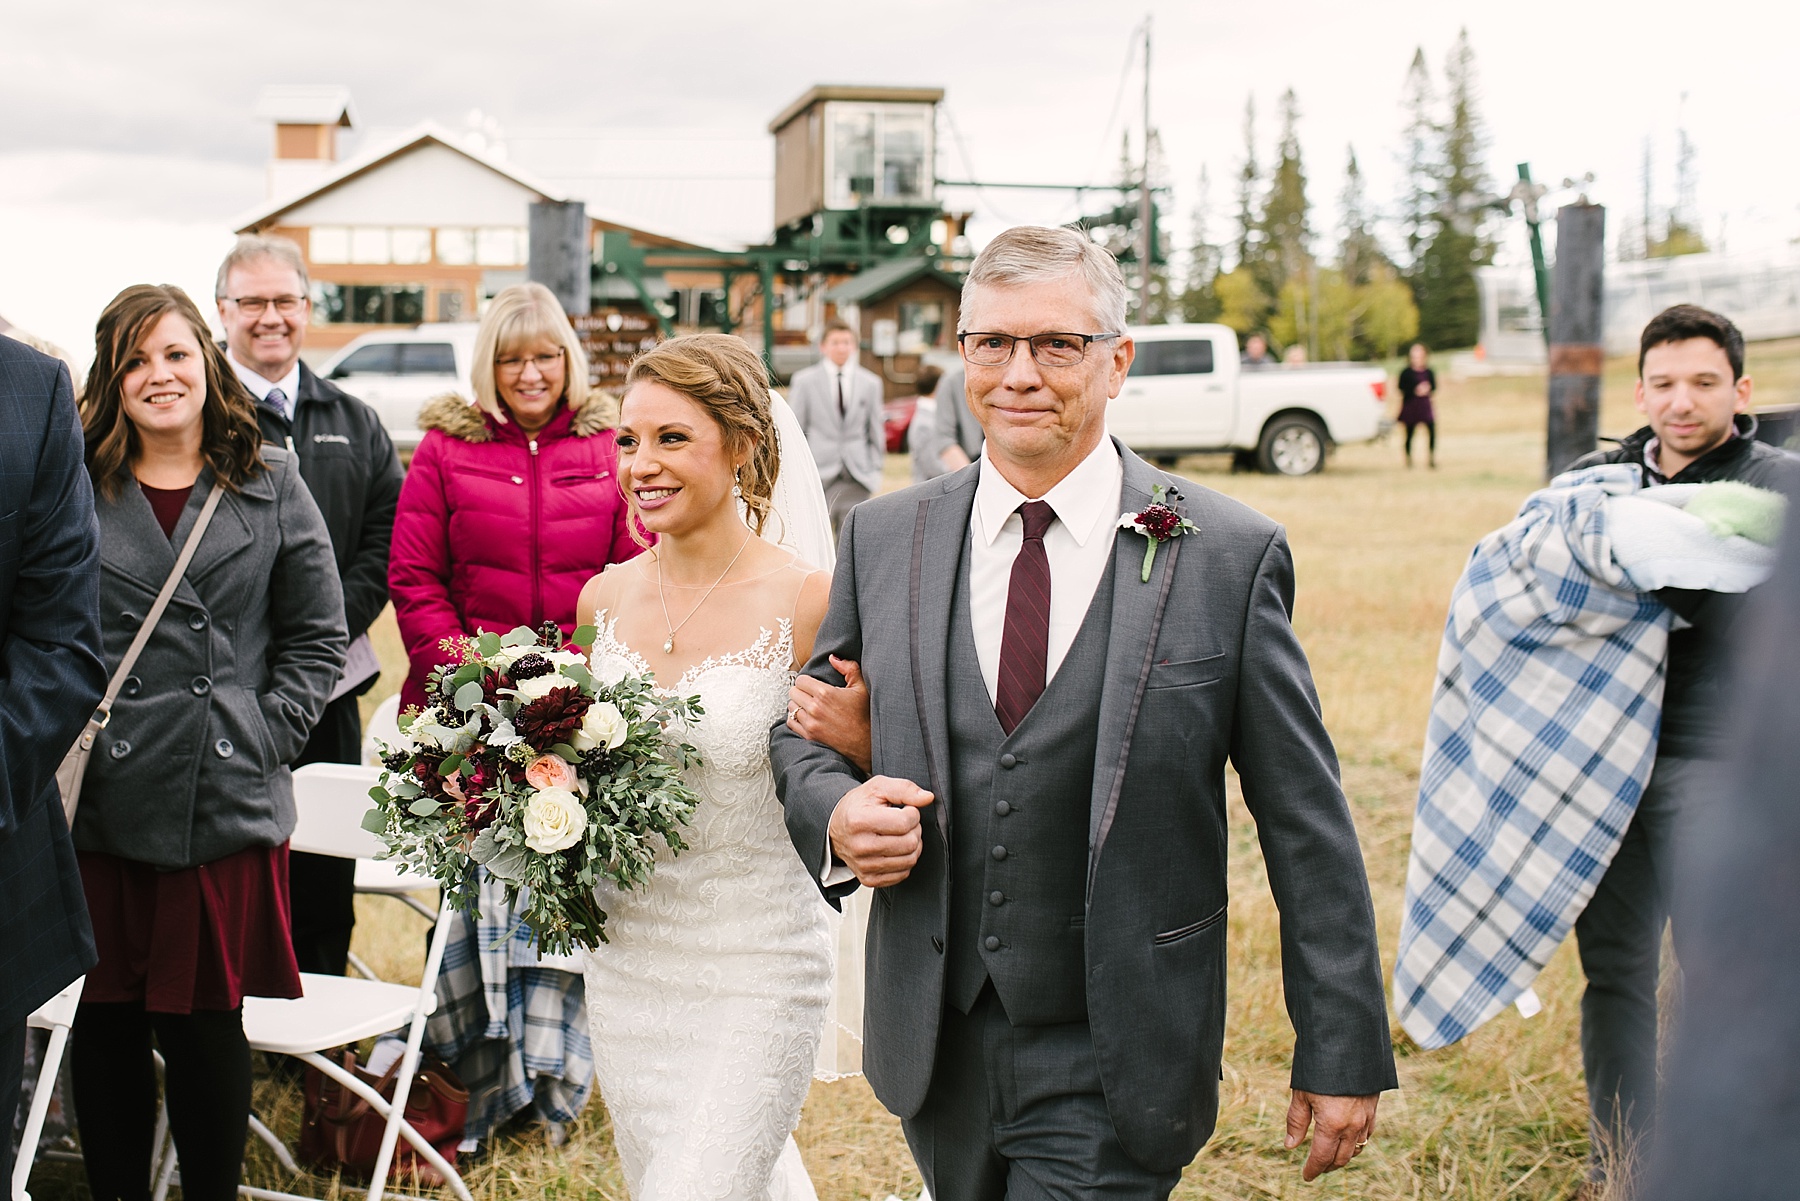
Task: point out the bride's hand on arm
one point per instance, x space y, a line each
835 717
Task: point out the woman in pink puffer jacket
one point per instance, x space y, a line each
511 504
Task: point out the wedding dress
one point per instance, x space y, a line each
708 1001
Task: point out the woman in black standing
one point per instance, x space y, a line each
187 805
1418 386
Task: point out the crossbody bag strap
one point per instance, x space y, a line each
104 712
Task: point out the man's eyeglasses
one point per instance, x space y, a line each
1049 350
256 306
516 366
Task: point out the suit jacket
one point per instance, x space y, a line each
955 424
1202 667
51 676
853 443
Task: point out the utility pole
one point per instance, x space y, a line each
1577 288
557 254
1146 232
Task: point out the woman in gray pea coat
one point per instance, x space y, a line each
187 805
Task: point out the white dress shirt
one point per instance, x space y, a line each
260 387
1079 545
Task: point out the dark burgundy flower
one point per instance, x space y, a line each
1159 521
530 666
552 718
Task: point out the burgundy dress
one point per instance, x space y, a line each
202 937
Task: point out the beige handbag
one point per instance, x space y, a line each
74 764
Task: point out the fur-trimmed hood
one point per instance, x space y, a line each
456 415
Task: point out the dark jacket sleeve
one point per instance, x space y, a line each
810 777
366 575
307 640
1330 960
51 672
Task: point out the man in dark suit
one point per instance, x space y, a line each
51 678
349 465
1052 710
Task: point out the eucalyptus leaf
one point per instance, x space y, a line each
488 644
567 752
423 807
583 636
375 821
378 794
405 788
579 674
465 673
452 763
520 636
469 695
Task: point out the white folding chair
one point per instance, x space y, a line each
382 877
331 799
55 1015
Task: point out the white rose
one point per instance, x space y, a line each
601 726
565 658
539 686
554 821
506 656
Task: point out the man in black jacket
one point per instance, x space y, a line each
51 677
348 462
1692 389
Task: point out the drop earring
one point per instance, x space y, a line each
737 486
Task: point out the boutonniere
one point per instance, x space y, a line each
1157 522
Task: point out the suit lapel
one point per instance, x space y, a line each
940 531
1137 618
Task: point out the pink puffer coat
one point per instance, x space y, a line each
496 530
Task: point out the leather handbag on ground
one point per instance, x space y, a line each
74 764
341 1131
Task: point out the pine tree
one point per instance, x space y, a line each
1443 272
1286 229
1249 184
1682 233
1199 299
1359 251
1418 157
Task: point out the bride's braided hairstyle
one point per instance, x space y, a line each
722 375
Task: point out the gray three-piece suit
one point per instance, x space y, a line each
1046 991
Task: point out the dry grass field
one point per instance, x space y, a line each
1377 549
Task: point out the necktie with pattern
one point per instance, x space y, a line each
277 400
1025 640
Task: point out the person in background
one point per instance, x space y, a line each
1695 396
838 402
1256 354
1418 386
188 803
51 677
510 505
1294 356
349 465
923 434
959 435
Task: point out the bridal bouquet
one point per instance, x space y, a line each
527 765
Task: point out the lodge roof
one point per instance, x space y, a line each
863 92
889 277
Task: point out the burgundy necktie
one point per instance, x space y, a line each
1025 641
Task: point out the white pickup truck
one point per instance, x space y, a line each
1187 394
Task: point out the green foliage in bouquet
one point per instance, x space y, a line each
526 764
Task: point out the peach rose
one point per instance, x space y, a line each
550 771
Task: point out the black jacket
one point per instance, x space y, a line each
349 465
1693 705
51 676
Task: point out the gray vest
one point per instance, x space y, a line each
1019 826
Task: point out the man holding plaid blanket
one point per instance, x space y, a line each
1574 726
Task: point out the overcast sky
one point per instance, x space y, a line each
127 144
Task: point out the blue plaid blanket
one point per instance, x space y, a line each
1541 740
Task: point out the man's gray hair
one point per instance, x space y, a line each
251 247
1028 254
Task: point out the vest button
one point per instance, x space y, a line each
1003 807
201 685
992 943
998 852
223 748
1009 760
120 749
996 897
937 944
197 621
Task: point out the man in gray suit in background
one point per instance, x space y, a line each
958 433
1052 712
838 402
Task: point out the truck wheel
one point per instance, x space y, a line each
1292 445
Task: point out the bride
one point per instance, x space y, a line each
707 1003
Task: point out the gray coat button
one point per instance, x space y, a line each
196 621
992 943
1009 760
120 749
132 686
998 852
1002 807
201 685
223 748
996 897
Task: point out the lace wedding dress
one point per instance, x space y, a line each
707 1003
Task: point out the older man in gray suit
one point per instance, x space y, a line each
838 402
1052 711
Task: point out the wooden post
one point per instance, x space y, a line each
558 256
1576 358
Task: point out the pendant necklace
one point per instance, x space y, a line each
669 645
